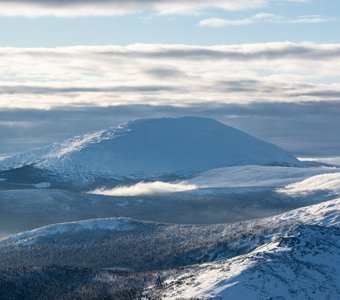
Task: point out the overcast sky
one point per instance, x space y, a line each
68 62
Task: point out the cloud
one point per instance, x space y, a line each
71 8
175 75
335 161
264 18
311 19
24 89
219 22
81 8
145 188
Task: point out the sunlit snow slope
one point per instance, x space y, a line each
303 264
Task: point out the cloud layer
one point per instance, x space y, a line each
69 8
168 74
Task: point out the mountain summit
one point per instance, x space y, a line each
151 147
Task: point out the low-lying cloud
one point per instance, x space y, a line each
291 180
324 182
145 188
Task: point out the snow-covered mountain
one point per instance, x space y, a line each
154 147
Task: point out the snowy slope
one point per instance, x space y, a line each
305 264
154 147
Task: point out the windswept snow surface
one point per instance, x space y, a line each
154 147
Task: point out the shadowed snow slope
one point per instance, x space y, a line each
152 147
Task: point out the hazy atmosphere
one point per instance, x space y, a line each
169 149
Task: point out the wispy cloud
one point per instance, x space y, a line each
311 19
80 8
34 8
168 74
264 18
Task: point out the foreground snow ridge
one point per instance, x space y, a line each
154 147
304 264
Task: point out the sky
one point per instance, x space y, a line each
269 67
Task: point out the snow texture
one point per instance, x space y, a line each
304 264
